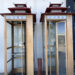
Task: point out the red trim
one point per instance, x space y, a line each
54 4
20 8
55 8
21 4
28 10
42 15
16 14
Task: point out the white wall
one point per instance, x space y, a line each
38 7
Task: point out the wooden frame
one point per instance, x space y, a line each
70 70
29 44
57 46
5 39
46 60
68 42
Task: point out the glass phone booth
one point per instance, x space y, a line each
57 41
19 41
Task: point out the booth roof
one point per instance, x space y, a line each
20 4
54 4
28 11
55 7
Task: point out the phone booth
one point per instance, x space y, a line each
57 41
18 31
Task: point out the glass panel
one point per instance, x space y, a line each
61 48
9 43
19 54
18 38
61 28
19 47
20 5
16 17
19 63
61 43
9 50
9 54
51 49
62 55
9 67
21 11
17 35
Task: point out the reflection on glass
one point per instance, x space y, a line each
51 49
9 67
61 48
17 63
61 28
9 44
9 54
9 51
19 48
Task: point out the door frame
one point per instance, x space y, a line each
29 43
57 57
56 39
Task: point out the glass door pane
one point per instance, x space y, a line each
61 49
9 49
51 48
56 48
19 47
